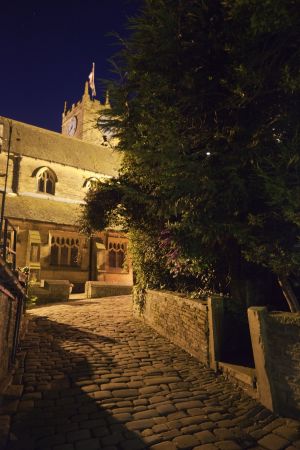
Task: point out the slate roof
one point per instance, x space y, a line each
42 210
39 143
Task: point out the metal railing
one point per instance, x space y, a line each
10 283
10 279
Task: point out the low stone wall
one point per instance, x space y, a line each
276 347
96 289
183 321
8 309
51 291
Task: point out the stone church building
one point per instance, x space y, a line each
48 176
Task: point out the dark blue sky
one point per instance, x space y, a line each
47 50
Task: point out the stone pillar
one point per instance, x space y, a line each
256 318
215 324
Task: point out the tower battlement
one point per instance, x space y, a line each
80 120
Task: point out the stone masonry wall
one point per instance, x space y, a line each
283 347
183 321
8 308
96 289
70 184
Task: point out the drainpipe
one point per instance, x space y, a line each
16 173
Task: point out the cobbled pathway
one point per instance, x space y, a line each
96 378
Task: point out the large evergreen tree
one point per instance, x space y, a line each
208 122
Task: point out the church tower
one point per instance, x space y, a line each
80 121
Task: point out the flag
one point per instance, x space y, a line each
92 81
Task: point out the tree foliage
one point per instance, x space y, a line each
207 116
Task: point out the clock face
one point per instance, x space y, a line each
72 125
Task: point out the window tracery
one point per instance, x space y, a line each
116 254
64 251
46 180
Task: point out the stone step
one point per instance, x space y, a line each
245 376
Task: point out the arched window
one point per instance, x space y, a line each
112 258
64 251
46 180
64 255
117 255
54 252
90 183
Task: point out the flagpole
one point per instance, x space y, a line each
92 81
94 91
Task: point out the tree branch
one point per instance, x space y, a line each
289 293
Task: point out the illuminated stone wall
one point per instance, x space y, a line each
73 164
183 321
70 185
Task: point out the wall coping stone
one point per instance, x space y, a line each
50 283
199 303
288 318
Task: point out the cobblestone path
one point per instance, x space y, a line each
94 378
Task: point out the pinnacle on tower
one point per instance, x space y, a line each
86 94
107 102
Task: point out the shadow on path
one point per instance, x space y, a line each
105 380
67 403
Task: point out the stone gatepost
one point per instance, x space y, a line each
215 323
257 324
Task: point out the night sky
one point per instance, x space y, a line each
47 51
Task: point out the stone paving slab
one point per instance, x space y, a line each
90 376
